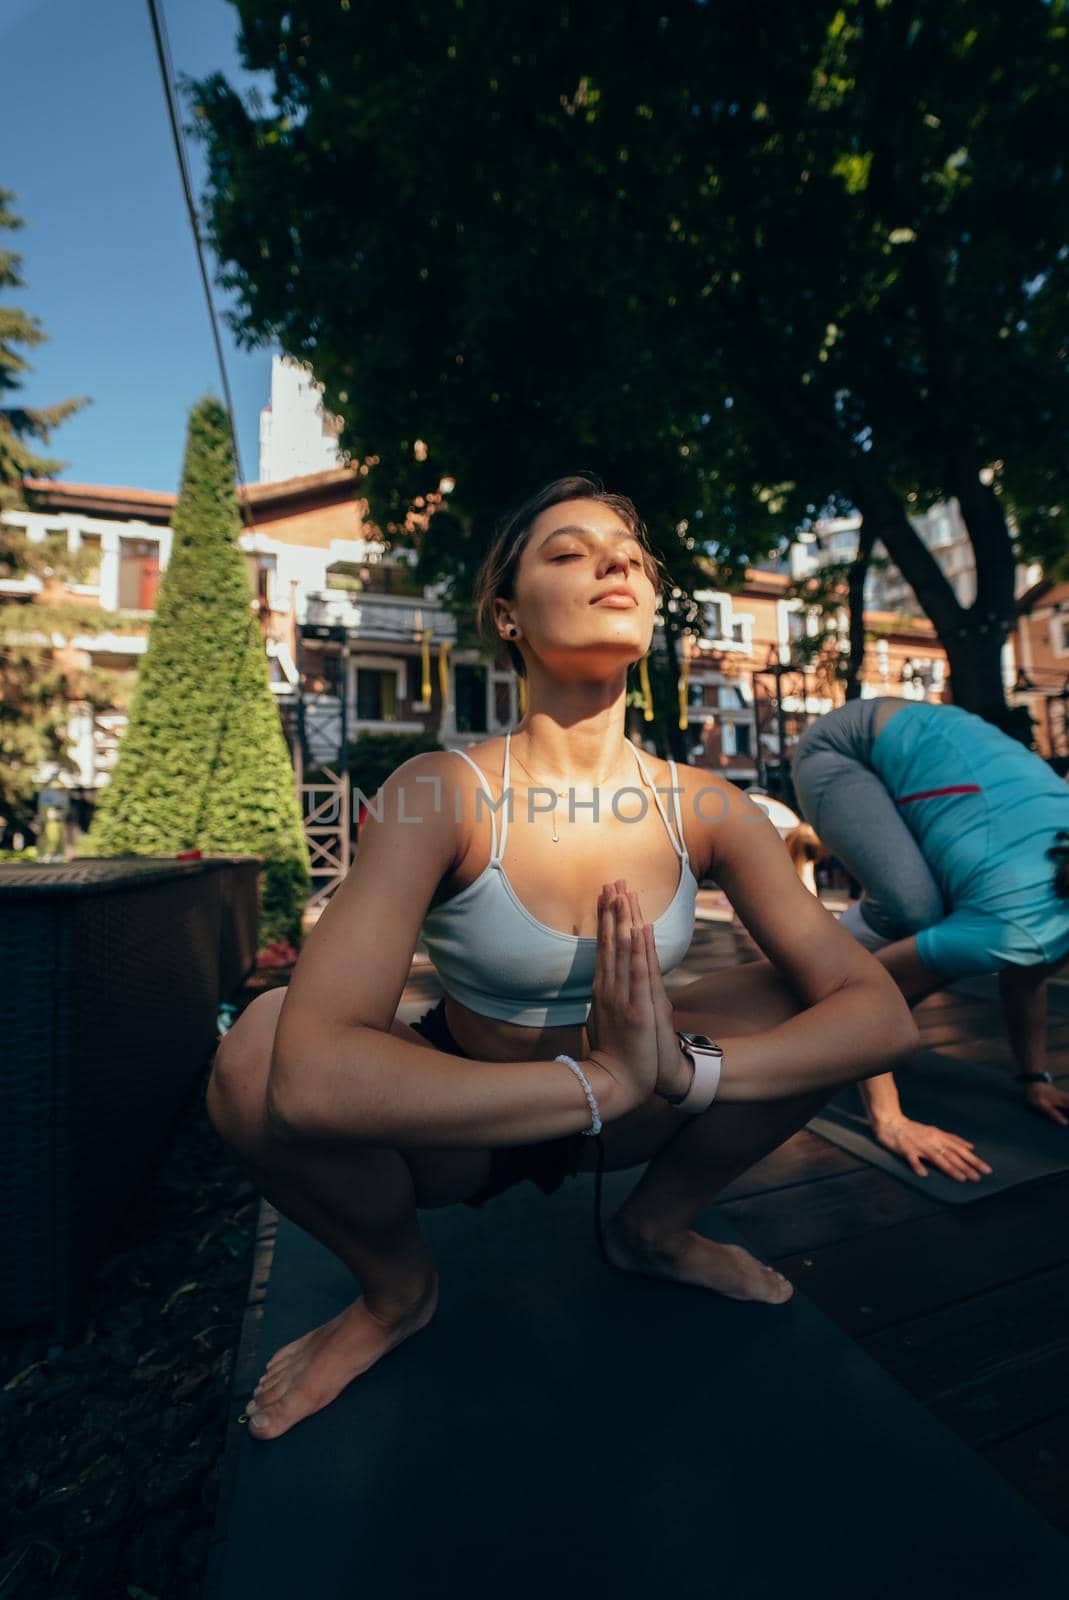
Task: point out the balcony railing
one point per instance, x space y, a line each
390 618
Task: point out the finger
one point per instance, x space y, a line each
957 1163
917 1164
623 950
951 1166
1055 1115
978 1162
607 945
640 978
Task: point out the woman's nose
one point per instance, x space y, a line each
616 560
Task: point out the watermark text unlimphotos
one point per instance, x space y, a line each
710 804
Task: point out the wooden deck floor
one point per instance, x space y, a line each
967 1306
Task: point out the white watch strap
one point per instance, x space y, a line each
700 1095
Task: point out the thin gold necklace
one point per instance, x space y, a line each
560 793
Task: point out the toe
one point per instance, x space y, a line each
267 1422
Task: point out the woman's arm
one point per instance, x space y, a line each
337 1072
855 1021
1023 991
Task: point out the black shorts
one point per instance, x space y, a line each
547 1164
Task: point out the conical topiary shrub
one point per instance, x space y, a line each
203 763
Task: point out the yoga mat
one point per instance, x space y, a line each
565 1429
974 1100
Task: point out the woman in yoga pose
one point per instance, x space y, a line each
349 1120
952 829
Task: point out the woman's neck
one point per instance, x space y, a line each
570 757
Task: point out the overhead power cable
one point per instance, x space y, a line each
163 56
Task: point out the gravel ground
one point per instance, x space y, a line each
112 1451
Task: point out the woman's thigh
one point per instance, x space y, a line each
856 818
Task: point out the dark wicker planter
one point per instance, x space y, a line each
112 974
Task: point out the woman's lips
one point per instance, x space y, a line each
625 601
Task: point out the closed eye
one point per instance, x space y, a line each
573 555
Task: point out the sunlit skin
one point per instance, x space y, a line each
299 1075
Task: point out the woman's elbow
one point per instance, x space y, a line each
899 1034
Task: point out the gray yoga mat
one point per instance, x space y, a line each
976 1101
562 1428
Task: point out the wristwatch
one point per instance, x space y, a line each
1034 1077
706 1059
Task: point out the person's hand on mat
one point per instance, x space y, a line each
918 1142
1049 1101
621 1025
674 1072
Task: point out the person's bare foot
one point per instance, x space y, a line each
306 1375
691 1258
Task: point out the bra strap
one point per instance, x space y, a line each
680 847
678 812
488 792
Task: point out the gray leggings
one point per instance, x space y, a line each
846 802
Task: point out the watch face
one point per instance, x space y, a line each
701 1039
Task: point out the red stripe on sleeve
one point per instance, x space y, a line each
929 794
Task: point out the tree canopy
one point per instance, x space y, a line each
750 264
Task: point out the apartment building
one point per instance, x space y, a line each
351 635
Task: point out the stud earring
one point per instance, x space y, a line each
512 631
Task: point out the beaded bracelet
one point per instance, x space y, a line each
595 1114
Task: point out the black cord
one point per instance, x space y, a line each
163 56
599 1232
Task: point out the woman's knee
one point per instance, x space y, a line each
736 1000
237 1087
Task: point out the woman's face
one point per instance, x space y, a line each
576 554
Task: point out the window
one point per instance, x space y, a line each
374 577
795 625
376 695
735 738
89 561
261 569
139 574
469 688
1059 635
713 614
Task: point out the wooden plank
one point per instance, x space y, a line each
917 1266
988 1052
1036 1462
804 1158
816 1215
990 1366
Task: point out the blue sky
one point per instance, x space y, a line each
108 259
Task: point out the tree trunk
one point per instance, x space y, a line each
972 638
856 602
675 736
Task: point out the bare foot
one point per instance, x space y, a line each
691 1258
306 1375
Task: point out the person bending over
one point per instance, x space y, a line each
952 828
555 1019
